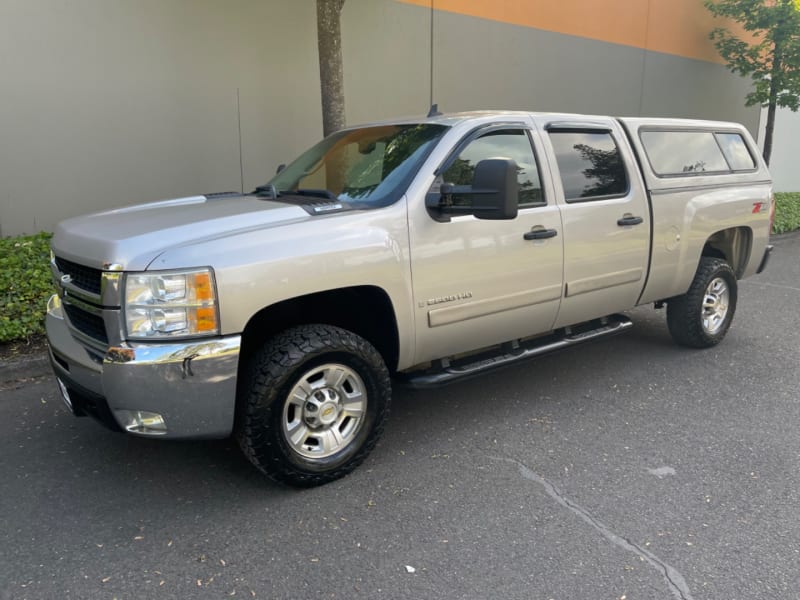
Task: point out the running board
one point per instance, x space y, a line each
446 371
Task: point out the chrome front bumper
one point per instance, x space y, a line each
190 384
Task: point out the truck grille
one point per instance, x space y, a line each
85 278
87 323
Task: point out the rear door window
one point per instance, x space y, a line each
590 165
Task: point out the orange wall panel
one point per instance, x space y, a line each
681 27
678 27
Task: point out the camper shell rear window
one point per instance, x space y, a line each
687 152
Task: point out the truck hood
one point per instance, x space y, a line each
134 236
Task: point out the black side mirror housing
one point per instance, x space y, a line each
496 189
493 194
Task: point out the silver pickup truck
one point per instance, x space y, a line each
426 250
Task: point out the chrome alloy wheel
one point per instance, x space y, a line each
324 411
715 305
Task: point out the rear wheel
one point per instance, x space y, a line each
315 405
702 316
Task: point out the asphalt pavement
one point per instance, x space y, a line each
627 468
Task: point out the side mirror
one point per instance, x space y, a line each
496 187
493 194
280 168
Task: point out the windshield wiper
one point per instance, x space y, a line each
269 190
314 193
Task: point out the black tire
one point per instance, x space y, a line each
266 413
695 322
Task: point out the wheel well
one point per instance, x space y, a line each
365 310
731 245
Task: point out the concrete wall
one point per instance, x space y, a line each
111 102
785 161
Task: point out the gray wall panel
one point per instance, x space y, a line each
682 87
488 64
111 102
785 149
386 53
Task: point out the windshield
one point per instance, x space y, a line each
370 166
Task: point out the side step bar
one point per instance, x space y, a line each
446 371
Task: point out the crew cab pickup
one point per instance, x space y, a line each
425 249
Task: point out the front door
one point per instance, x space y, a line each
480 282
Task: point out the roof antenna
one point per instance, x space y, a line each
434 111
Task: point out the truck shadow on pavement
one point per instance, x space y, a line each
166 472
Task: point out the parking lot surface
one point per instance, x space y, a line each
627 468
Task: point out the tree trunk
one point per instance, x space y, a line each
331 73
769 129
777 65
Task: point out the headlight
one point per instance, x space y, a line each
162 304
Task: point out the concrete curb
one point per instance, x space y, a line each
789 235
35 365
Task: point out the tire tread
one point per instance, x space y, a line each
683 319
269 370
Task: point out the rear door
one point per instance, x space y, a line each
605 215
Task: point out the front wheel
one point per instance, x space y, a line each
315 404
701 317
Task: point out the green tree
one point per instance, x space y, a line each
771 58
331 71
607 172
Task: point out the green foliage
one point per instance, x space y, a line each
787 212
772 58
25 285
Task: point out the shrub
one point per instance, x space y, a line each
25 285
787 212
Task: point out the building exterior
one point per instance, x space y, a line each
112 103
785 149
